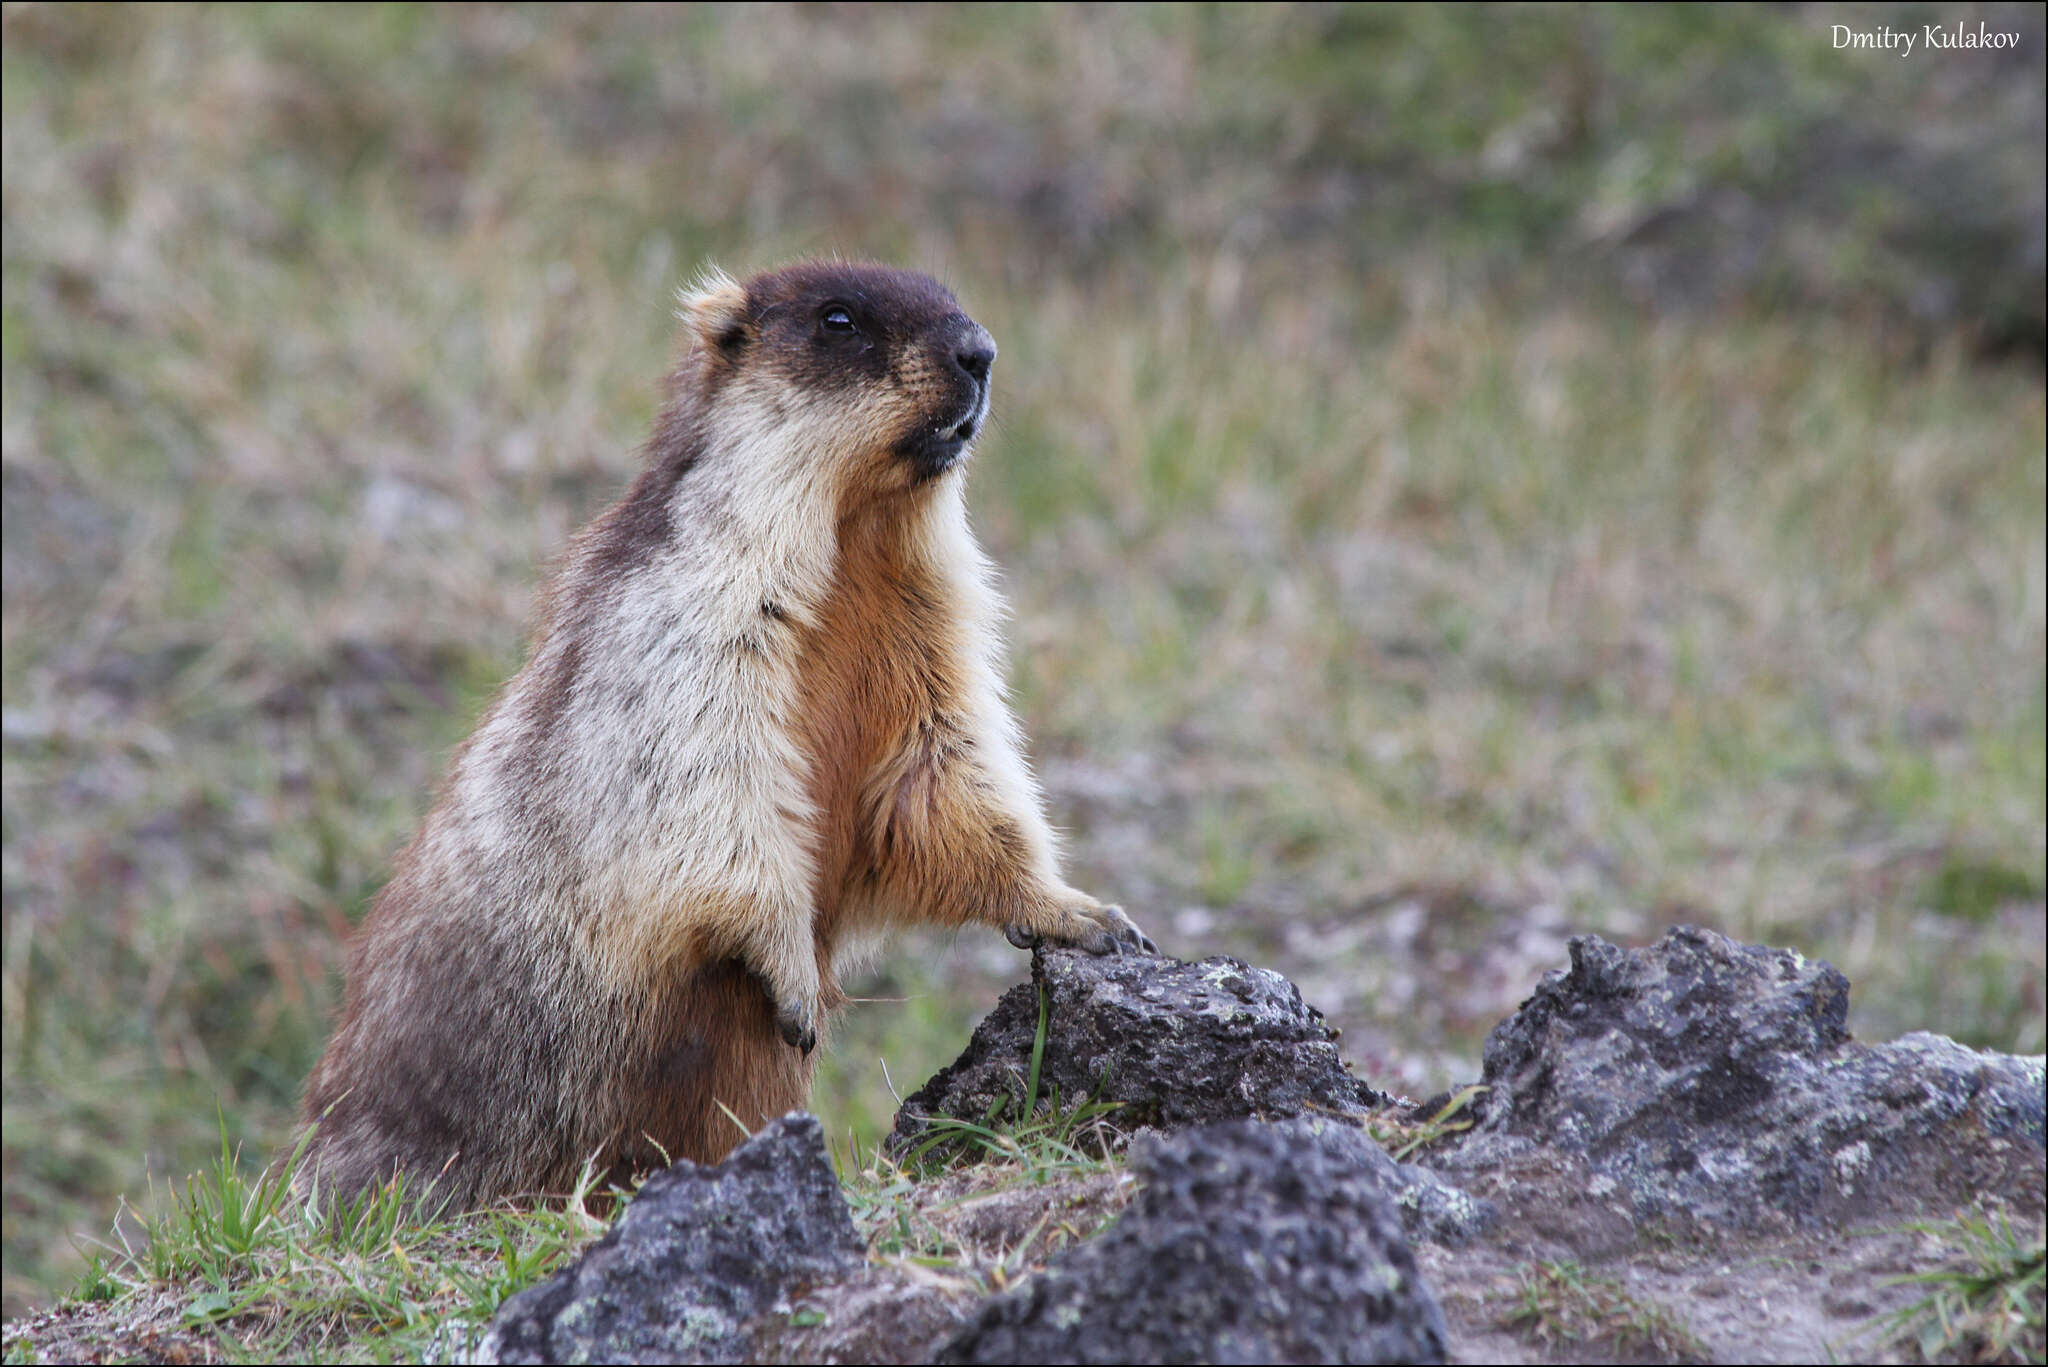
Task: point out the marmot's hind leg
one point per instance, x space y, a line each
718 1071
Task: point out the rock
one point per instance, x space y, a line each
1683 1157
1702 1081
1432 1210
1175 1044
880 1314
1247 1242
700 1253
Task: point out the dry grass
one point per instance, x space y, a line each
1381 613
1566 1310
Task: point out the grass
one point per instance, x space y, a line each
911 1200
234 1265
1565 1308
1062 1167
1016 1131
1989 1304
1403 1139
242 1264
1393 598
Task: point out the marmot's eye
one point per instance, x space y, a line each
837 319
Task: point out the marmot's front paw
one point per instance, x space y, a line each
798 1023
1095 928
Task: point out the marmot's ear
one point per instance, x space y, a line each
714 309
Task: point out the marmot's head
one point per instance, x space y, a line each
872 368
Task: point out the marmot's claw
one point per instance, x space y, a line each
1020 937
1123 932
1099 930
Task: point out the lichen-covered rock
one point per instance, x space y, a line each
882 1313
1175 1044
1433 1211
700 1253
1707 1080
1247 1242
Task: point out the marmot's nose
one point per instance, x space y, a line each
977 362
975 353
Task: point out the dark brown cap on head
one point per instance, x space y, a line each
830 327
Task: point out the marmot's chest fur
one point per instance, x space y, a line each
762 718
869 675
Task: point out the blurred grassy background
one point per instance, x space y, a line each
1464 477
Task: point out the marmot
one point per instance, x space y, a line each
761 721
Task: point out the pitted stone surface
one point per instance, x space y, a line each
700 1253
1175 1044
1247 1242
1702 1078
